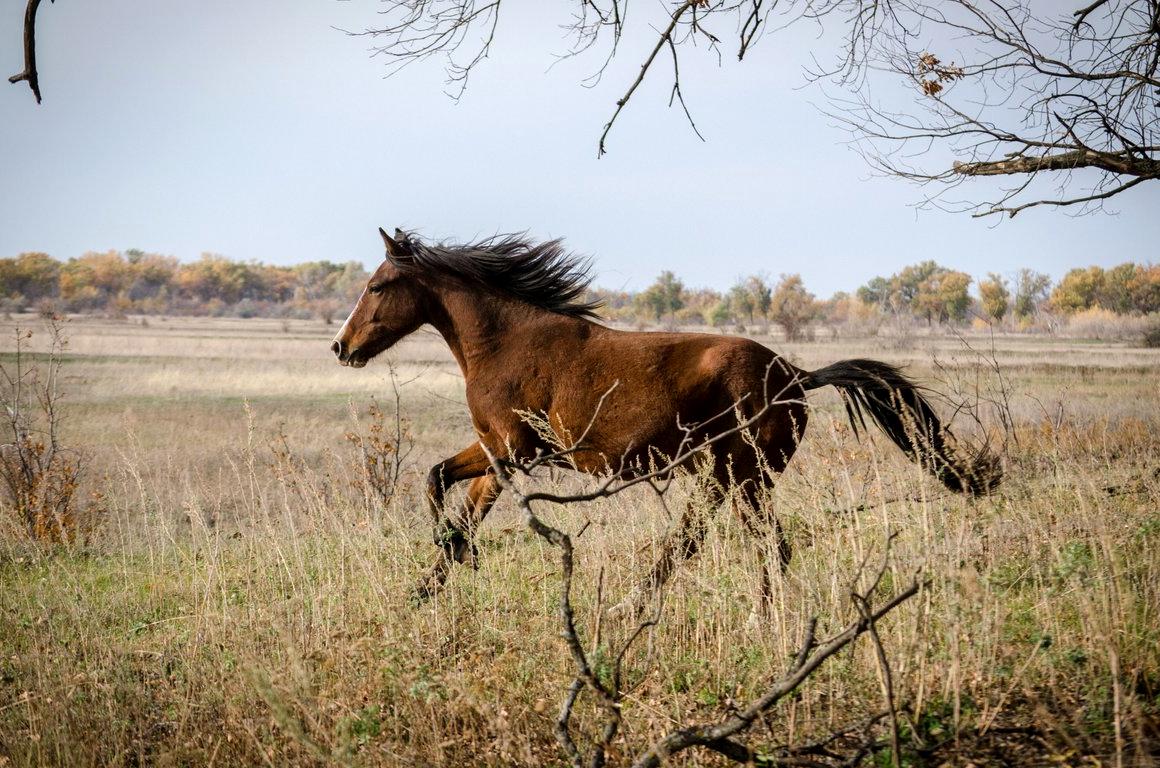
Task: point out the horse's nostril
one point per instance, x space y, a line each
336 348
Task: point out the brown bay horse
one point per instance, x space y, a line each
514 316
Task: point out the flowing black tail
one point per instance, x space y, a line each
896 404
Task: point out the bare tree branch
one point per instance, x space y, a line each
1082 13
1035 97
416 30
1040 92
30 74
665 38
1120 163
1012 210
1034 92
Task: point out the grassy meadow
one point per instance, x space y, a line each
240 593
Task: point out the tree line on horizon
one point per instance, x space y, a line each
924 293
136 282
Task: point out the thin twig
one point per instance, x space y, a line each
665 37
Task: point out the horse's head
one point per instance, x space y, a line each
391 306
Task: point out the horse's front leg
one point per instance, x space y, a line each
453 541
457 534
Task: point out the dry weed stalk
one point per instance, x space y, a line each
39 475
384 449
979 385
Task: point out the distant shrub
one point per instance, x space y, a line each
12 303
690 316
46 308
1103 324
1152 335
247 308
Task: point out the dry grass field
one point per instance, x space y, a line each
240 595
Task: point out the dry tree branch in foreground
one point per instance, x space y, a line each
724 737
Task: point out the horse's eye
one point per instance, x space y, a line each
375 289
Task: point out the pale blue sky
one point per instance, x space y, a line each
258 131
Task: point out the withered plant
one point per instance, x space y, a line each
39 476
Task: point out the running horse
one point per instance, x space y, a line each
513 313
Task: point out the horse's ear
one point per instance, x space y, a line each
393 246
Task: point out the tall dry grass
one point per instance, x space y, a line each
258 612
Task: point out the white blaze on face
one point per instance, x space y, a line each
345 323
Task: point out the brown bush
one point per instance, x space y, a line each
39 477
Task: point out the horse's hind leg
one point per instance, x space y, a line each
754 473
682 542
761 523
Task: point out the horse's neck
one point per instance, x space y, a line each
474 325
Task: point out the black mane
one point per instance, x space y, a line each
542 274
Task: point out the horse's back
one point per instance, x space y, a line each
666 379
732 367
632 393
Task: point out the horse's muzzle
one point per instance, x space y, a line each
352 357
